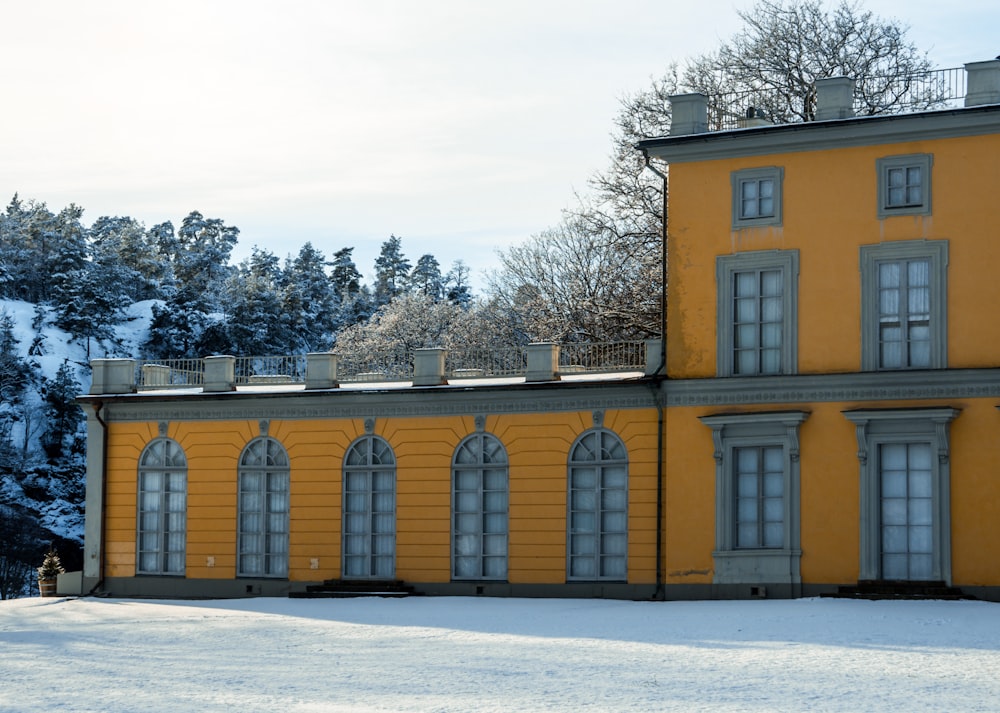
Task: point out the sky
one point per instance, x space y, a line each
482 655
460 127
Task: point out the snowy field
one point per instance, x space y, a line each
469 655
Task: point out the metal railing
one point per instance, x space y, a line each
894 94
475 362
395 365
392 365
602 357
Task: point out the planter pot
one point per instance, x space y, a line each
47 587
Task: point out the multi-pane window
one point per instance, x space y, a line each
369 521
262 543
904 185
598 508
904 320
907 500
757 197
903 305
757 307
479 509
756 497
760 496
905 503
162 509
758 298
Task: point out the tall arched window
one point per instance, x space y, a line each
479 509
263 510
597 516
369 522
162 516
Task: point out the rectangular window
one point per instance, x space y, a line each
905 508
903 293
757 197
757 497
904 185
760 490
757 313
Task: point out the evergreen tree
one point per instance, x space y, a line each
124 243
201 255
391 271
15 376
63 417
456 285
177 327
344 276
425 279
309 302
256 323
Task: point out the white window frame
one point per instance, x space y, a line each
774 174
885 166
369 545
267 459
161 532
875 427
727 267
871 257
601 548
756 565
480 509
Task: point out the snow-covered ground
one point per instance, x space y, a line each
469 655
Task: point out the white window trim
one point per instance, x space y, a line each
873 427
738 178
936 251
728 265
882 167
772 565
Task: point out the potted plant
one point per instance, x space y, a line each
47 574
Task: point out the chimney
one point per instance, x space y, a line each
834 98
689 114
982 82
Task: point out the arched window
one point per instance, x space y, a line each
369 522
479 509
162 516
263 510
597 516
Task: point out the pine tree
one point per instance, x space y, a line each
391 271
425 279
309 302
63 416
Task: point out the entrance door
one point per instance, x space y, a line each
907 522
369 530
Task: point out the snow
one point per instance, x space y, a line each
478 654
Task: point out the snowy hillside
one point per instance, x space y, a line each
42 432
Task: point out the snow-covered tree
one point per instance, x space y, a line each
426 279
62 434
309 302
391 271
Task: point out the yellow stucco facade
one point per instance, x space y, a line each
826 422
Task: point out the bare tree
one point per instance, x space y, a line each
597 275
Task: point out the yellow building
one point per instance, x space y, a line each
825 420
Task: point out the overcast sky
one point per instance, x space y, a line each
459 126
